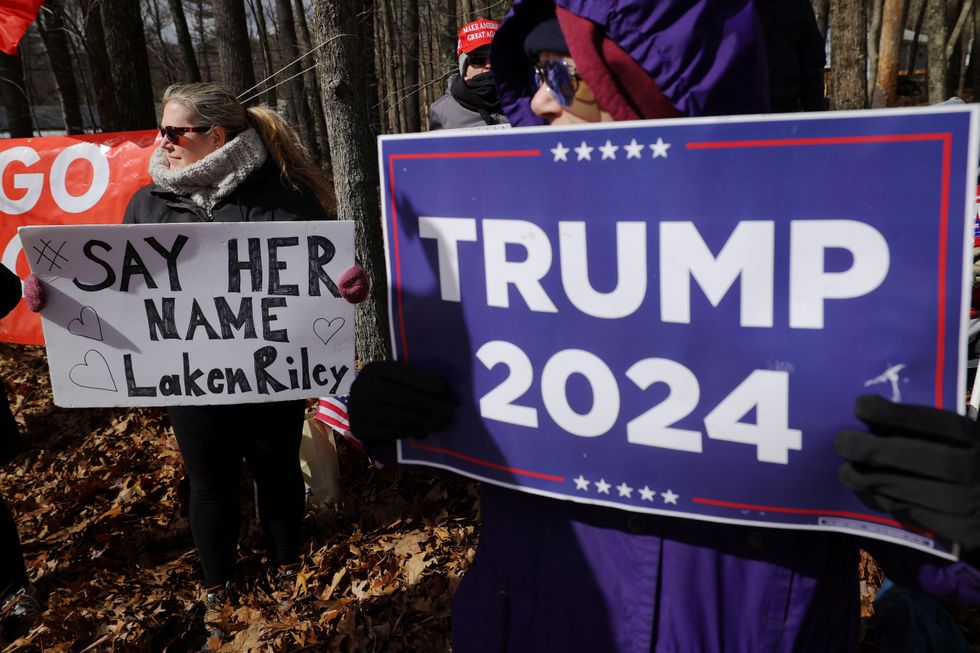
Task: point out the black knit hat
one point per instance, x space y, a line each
545 36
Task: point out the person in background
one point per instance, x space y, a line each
20 599
221 162
794 54
471 98
552 575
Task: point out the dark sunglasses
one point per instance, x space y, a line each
173 134
560 77
478 61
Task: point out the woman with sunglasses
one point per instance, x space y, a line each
553 575
220 162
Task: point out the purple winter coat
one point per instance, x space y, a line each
707 56
551 575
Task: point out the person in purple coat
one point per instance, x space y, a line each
552 575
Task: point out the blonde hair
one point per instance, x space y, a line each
214 105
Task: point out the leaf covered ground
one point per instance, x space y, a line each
100 503
101 508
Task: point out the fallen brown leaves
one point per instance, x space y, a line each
98 499
100 507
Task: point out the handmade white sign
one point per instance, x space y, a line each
180 314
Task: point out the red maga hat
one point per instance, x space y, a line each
476 34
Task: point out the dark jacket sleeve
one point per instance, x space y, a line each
265 197
300 205
435 120
138 207
10 291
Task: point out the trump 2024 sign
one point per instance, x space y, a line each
676 317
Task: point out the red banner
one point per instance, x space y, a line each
15 17
84 179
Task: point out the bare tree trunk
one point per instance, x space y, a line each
973 55
428 56
86 91
966 46
380 67
98 60
874 36
202 42
234 55
388 80
960 21
954 9
467 12
286 42
935 26
410 44
343 68
299 110
128 62
258 13
886 82
13 92
916 31
366 46
313 94
191 72
396 34
848 54
161 51
450 37
821 9
52 27
26 56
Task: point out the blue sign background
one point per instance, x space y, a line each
907 174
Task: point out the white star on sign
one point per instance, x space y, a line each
670 497
560 152
602 487
633 149
581 483
584 151
659 148
625 490
608 151
647 494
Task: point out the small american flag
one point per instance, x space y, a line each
332 411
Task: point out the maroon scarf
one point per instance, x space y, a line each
621 86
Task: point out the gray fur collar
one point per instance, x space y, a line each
216 175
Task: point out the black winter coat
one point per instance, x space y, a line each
262 197
10 290
795 54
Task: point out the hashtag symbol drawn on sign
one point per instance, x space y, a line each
50 254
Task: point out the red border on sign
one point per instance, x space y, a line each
945 138
394 211
486 463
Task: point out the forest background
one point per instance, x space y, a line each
98 494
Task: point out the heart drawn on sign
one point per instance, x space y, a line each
94 373
326 329
87 324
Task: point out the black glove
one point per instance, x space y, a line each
920 464
391 400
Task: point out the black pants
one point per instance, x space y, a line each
213 441
13 574
9 431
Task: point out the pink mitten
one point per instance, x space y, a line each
33 293
354 284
